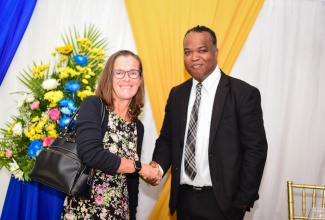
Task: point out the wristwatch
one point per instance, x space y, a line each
137 166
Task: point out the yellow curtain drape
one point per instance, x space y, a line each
158 29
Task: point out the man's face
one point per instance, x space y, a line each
200 56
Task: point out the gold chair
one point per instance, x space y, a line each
305 190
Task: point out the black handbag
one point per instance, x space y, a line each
60 167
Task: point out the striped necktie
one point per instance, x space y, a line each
189 160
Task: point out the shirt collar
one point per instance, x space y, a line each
210 80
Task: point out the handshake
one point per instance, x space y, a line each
151 173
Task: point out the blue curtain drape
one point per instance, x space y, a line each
32 201
14 19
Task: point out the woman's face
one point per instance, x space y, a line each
126 87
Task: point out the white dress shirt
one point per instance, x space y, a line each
209 87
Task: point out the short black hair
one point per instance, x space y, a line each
201 29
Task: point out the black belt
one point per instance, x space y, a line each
197 187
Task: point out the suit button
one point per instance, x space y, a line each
177 168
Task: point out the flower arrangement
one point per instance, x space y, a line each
54 95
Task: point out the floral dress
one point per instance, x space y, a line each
109 194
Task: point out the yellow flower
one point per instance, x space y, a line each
45 118
9 131
73 73
62 59
38 129
30 133
64 75
52 134
84 42
35 119
50 127
83 94
84 81
2 154
81 69
67 49
37 136
38 71
101 52
39 126
54 97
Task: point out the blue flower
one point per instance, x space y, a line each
72 86
66 111
80 60
72 106
64 102
34 148
64 121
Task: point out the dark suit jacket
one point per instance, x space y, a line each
237 144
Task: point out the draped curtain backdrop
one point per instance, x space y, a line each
283 56
14 18
159 28
49 21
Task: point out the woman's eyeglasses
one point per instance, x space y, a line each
133 74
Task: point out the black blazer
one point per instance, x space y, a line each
237 144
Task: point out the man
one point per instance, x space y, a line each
217 155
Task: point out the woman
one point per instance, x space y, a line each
112 147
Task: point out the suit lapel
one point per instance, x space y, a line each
219 101
185 97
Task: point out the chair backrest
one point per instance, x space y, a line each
305 190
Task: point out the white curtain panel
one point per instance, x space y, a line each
284 56
49 21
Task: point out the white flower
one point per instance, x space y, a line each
21 100
30 98
17 129
113 149
131 145
14 169
50 84
25 98
18 174
69 216
13 166
114 137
